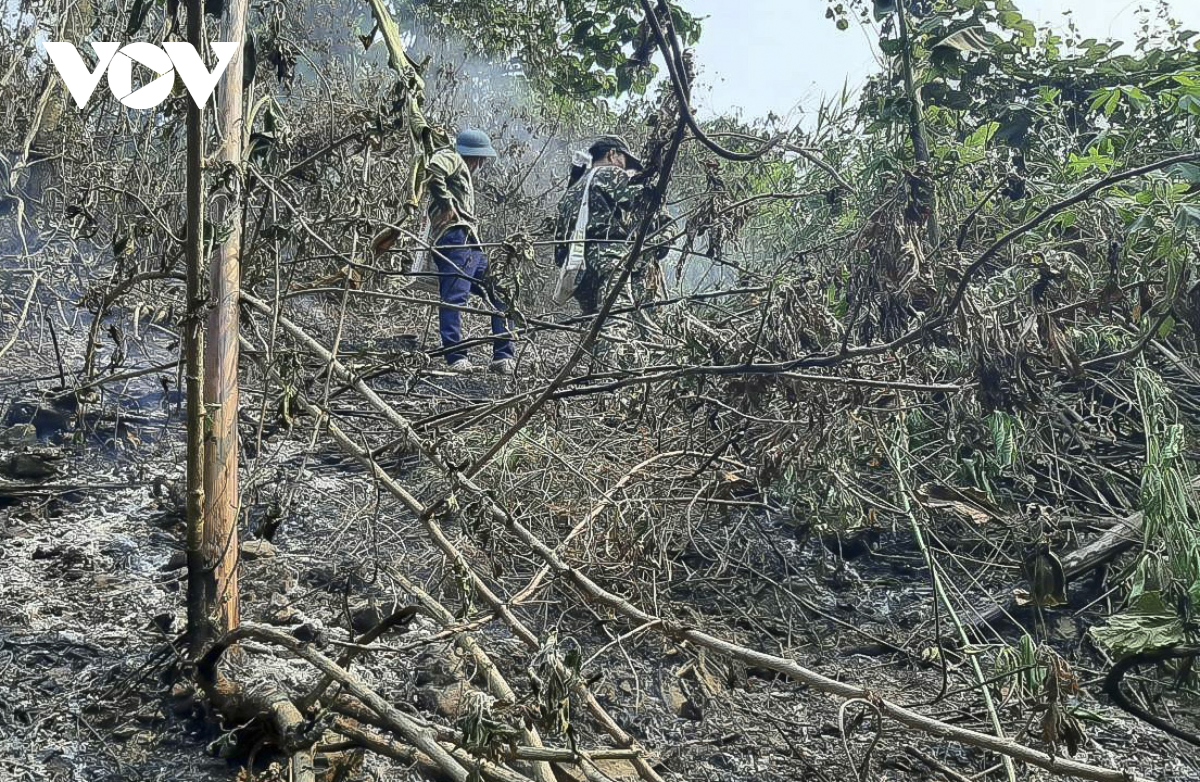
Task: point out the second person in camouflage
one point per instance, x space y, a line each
614 204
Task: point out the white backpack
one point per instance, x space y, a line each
571 273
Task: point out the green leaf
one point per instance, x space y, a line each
1114 100
975 145
1187 171
1066 220
983 135
1148 624
1099 98
1139 99
1011 19
1188 216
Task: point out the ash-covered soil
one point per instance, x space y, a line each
92 586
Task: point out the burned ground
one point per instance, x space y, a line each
93 586
894 477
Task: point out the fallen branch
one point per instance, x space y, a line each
1112 687
397 751
594 593
1124 535
421 737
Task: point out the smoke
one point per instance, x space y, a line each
462 89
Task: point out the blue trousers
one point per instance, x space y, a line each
463 271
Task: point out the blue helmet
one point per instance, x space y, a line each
474 143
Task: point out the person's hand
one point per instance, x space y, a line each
641 177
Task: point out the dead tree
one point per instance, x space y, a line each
212 357
198 574
221 348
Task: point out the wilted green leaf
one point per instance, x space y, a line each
970 39
1148 624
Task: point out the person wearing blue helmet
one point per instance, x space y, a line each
461 263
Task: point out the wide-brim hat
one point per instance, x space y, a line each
474 143
603 144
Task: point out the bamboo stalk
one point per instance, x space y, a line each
935 574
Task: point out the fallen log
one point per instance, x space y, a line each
1124 535
1107 547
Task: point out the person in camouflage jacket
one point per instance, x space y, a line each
615 205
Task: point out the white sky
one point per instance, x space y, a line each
783 55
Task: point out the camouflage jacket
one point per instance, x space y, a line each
614 207
448 182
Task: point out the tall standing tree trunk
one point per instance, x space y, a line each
916 119
221 507
199 575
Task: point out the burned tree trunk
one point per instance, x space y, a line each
221 504
212 359
193 335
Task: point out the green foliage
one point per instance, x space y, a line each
1005 430
576 48
1166 584
1168 501
1019 669
980 62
